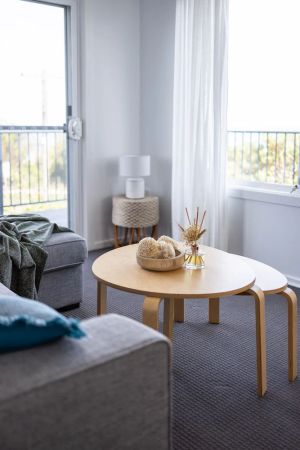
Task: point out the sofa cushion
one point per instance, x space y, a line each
64 250
26 323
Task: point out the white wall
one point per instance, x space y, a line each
110 97
127 52
157 28
267 231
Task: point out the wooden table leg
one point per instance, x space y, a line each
154 232
101 298
179 309
168 317
260 339
116 237
138 234
131 238
151 312
291 297
125 236
214 310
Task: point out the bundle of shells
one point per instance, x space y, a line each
164 248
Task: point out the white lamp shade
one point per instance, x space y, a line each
134 166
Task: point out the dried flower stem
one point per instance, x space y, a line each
187 213
203 217
194 231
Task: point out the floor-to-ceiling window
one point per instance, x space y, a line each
264 93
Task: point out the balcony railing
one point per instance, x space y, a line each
264 156
33 167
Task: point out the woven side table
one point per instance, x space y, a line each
134 215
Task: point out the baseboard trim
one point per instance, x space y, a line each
293 281
98 245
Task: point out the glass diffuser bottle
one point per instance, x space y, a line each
194 258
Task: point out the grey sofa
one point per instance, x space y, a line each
61 284
107 391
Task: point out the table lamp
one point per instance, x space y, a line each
134 167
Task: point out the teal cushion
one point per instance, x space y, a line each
26 323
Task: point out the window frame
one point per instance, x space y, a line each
264 192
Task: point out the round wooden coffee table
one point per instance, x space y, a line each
224 275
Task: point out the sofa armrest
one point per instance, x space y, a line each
109 390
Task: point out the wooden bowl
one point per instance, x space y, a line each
161 265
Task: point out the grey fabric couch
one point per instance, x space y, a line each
107 391
62 284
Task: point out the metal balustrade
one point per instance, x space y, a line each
264 156
34 166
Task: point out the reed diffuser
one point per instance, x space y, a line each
194 259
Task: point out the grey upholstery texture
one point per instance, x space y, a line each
61 283
108 391
65 249
62 287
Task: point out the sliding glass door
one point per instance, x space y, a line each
34 156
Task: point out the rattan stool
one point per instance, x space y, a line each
134 215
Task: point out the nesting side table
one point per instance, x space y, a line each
134 215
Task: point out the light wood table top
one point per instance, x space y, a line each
223 275
270 280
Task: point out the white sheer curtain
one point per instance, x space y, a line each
199 120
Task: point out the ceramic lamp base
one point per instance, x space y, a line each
135 188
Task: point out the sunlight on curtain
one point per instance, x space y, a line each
199 118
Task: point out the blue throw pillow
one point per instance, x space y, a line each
26 323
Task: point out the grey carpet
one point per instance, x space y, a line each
215 405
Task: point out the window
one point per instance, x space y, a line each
33 142
264 92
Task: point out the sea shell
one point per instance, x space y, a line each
167 250
169 240
149 248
